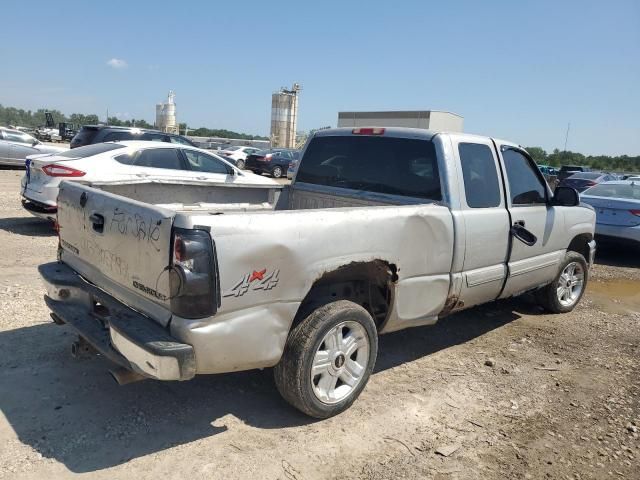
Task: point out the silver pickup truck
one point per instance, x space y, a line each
382 229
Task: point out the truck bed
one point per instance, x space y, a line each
197 198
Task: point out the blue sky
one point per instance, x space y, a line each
514 70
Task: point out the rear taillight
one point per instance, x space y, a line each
591 184
635 212
54 170
368 131
193 274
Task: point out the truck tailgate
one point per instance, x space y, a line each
120 245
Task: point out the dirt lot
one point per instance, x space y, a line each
561 398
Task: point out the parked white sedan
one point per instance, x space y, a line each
129 160
238 154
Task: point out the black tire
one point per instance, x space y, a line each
276 171
293 373
240 164
547 297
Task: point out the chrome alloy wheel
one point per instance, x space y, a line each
570 284
340 362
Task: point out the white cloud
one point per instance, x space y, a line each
117 63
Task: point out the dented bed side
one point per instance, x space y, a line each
269 263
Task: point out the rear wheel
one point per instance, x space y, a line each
566 290
328 359
276 172
240 164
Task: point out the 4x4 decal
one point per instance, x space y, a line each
256 280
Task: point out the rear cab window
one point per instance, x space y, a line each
390 165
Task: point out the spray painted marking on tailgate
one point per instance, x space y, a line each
137 226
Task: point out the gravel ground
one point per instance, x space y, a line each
500 391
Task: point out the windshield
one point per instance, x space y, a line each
630 191
89 150
398 166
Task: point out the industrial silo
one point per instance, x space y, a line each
284 117
166 115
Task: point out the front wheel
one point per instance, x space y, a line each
567 288
328 359
276 172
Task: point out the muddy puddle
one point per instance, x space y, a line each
615 296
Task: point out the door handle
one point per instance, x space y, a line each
524 235
97 222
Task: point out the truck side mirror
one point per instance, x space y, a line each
565 197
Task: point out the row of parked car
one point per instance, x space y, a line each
16 145
119 154
582 178
108 153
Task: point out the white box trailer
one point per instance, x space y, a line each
427 119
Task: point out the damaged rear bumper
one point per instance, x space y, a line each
121 334
40 210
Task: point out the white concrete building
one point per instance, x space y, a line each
427 119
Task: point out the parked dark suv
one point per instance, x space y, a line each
90 134
274 162
568 170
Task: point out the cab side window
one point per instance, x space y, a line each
481 186
525 185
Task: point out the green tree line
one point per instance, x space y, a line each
36 118
218 132
621 163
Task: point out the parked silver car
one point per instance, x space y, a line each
15 146
617 206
